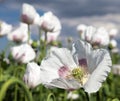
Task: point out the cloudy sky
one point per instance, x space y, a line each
70 12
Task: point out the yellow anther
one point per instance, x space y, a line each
79 74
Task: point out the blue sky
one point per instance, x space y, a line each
70 12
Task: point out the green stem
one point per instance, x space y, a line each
87 96
1 71
28 33
15 99
65 95
45 37
51 94
40 34
45 45
9 83
98 96
16 72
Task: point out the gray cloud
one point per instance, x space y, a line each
74 8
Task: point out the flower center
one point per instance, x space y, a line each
80 75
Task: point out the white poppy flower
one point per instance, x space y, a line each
113 43
81 30
23 53
116 69
89 33
113 32
20 34
51 36
72 95
83 67
49 22
4 28
96 36
32 75
28 13
101 37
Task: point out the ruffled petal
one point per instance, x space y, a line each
51 65
69 84
103 61
64 56
81 50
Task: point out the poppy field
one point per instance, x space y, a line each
86 69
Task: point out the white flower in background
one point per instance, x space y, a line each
51 36
4 28
49 22
81 30
28 13
113 32
23 53
116 69
6 60
96 36
83 67
101 37
20 34
32 75
72 95
89 33
113 43
113 46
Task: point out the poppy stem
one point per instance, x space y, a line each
45 42
28 33
40 34
98 96
87 96
45 37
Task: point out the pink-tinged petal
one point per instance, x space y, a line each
23 53
50 23
101 37
26 19
63 71
20 34
28 13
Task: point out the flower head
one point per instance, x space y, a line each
51 36
28 13
23 53
116 69
96 36
19 34
81 29
32 75
49 22
113 32
4 28
101 37
81 67
73 95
